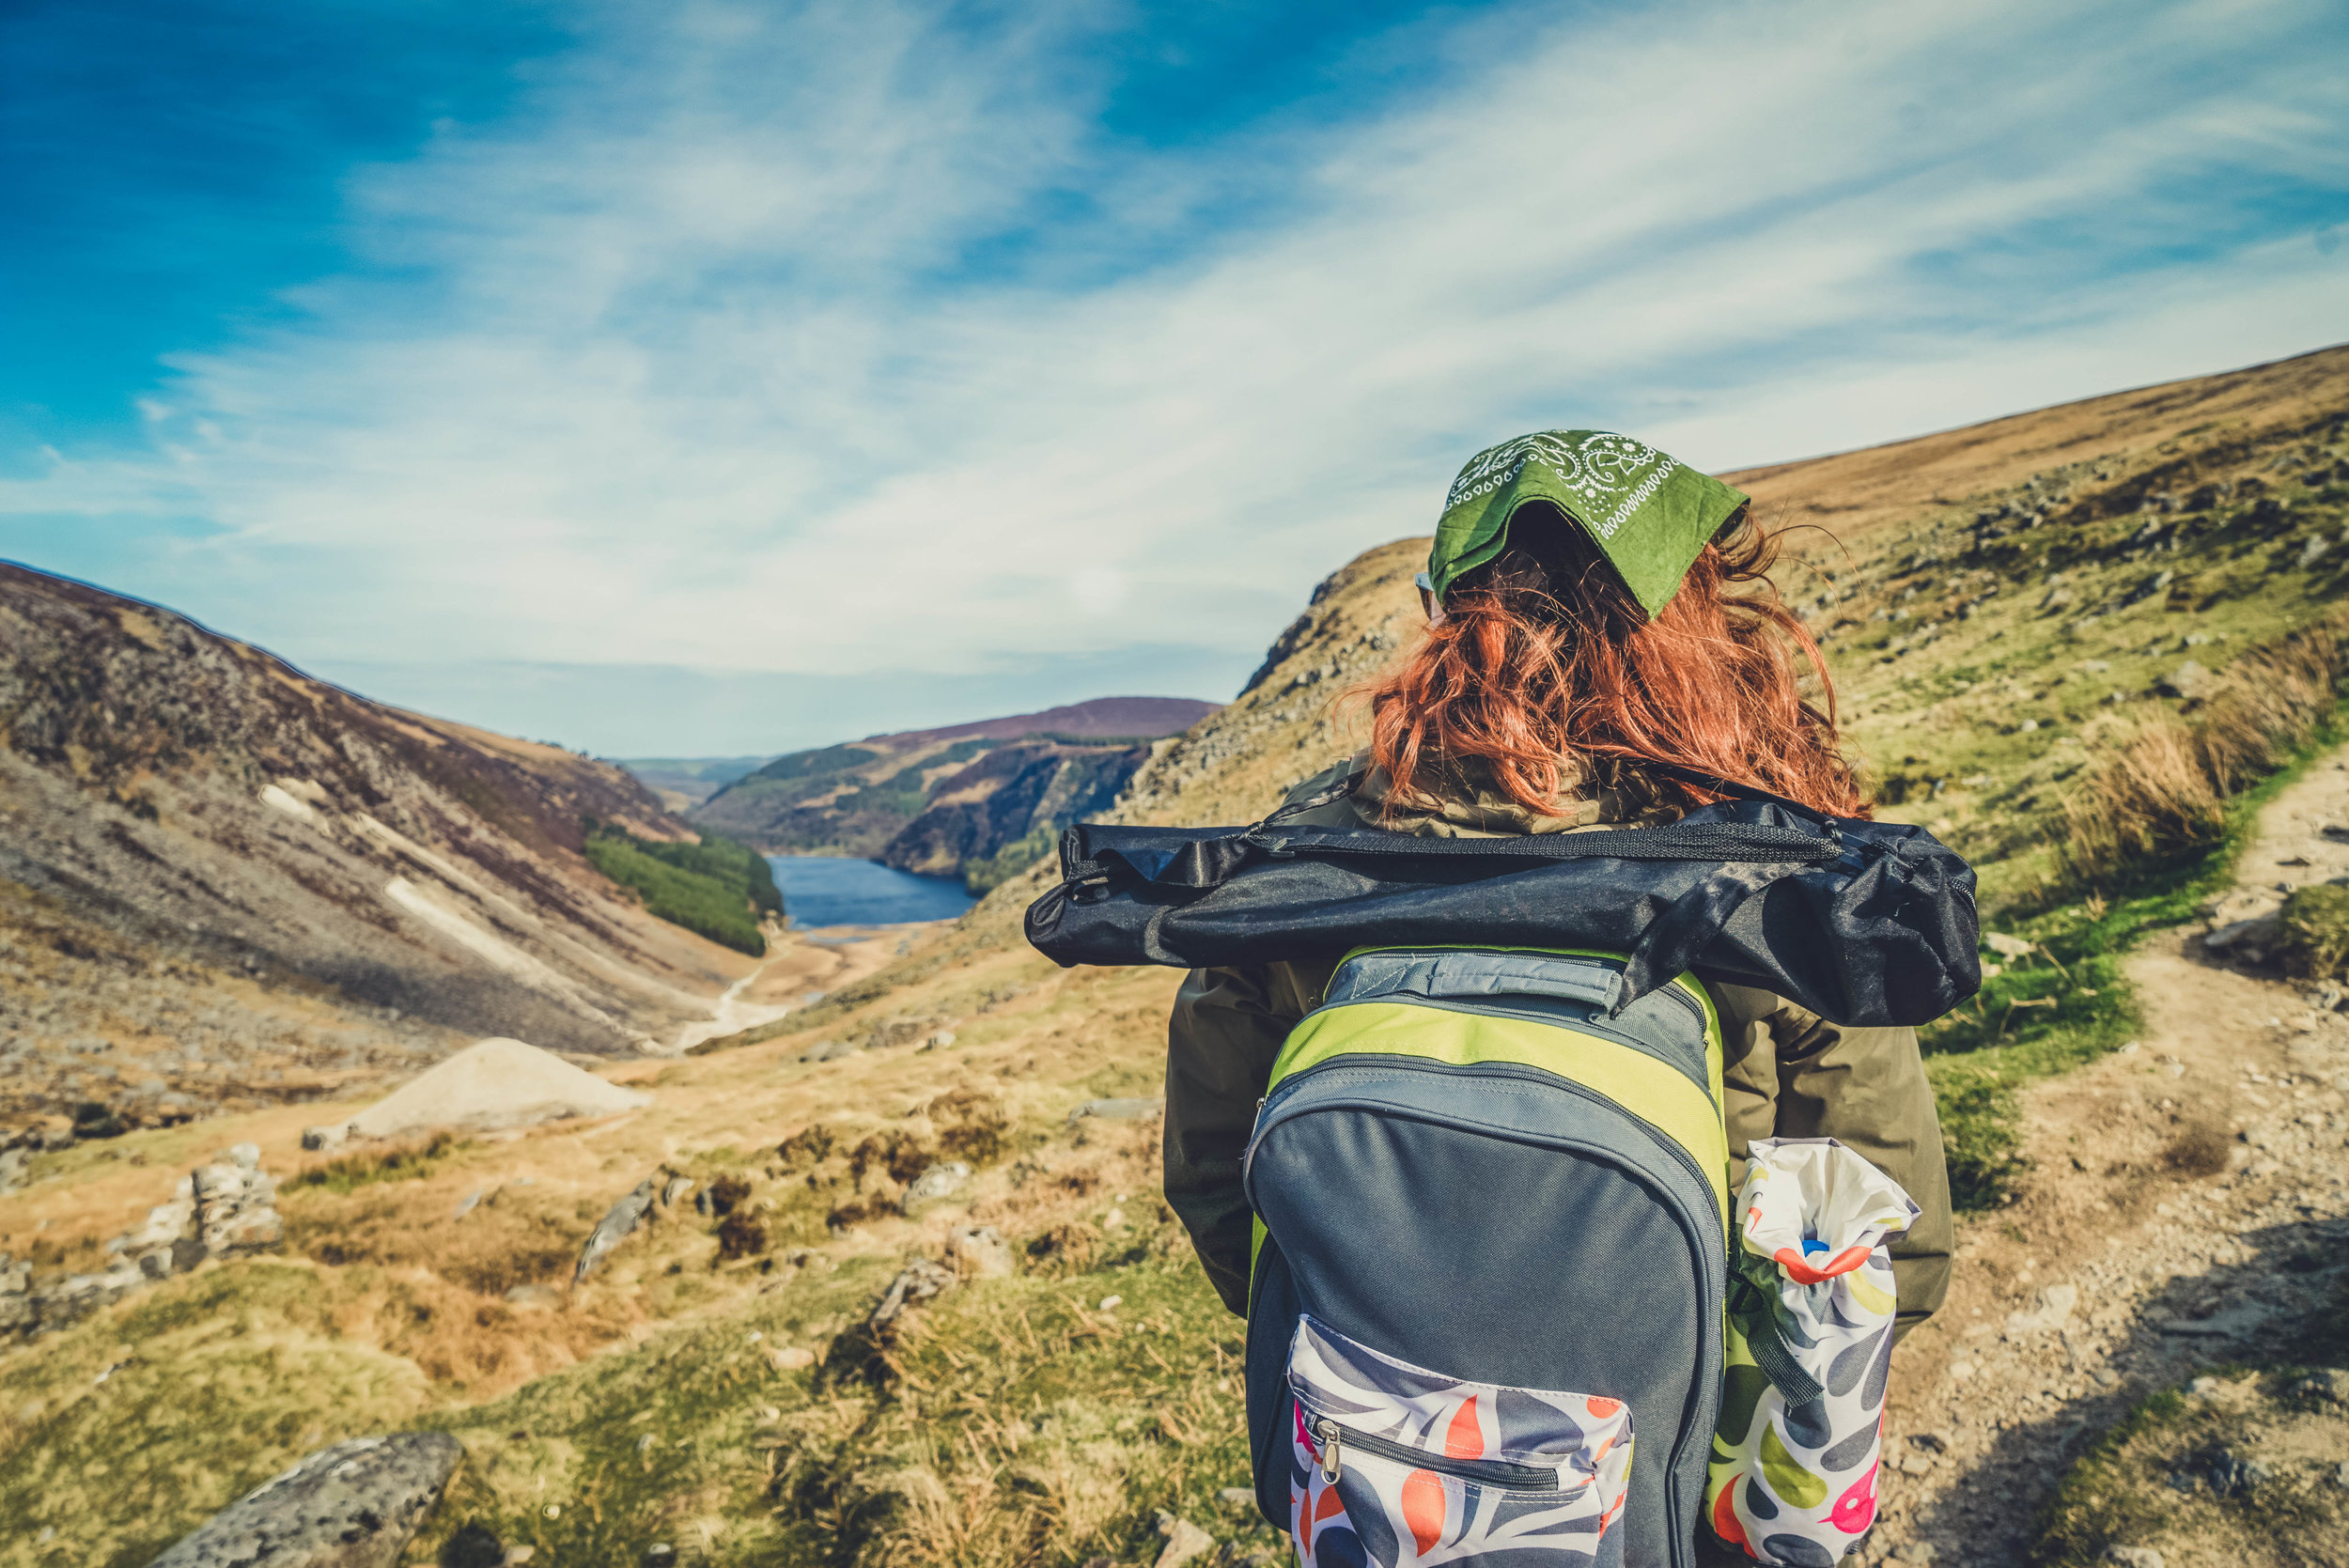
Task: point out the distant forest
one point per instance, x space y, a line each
717 887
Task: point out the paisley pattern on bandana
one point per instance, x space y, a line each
1650 514
1435 1469
1613 475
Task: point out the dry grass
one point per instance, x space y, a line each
2164 788
2272 704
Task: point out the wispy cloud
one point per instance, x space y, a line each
834 341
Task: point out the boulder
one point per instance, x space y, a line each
1184 1541
979 1252
496 1084
622 1218
917 1281
1133 1108
355 1505
2189 679
2250 937
942 1180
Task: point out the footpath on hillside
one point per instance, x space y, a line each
2182 1220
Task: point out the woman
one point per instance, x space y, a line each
1593 607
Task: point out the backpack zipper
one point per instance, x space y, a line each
1519 1071
1596 1025
1482 1472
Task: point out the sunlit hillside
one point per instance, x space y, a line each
851 1358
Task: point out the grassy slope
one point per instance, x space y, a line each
1017 1419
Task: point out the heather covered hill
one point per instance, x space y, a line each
221 880
979 800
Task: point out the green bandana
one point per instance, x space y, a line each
1649 513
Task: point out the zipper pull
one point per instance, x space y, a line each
1331 1462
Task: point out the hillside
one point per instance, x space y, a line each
1993 601
979 800
222 883
966 1134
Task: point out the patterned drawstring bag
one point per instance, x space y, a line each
1793 1479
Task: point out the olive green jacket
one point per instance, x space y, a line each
1788 1073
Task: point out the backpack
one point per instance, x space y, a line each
1485 1303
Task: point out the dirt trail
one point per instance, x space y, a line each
2187 1206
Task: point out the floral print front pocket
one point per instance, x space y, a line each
1398 1467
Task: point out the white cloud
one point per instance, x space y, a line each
691 364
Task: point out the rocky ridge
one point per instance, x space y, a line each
943 801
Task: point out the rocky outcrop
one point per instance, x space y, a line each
856 798
225 1208
1032 787
189 822
356 1505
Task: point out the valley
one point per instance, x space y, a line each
918 1301
223 884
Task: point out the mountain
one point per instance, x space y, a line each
222 880
979 800
684 783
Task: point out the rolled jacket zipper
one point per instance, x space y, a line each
1335 1439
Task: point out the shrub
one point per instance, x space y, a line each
2314 939
728 1193
2151 799
740 1234
367 1167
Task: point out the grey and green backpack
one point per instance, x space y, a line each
1467 1159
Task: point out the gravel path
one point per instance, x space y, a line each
2187 1207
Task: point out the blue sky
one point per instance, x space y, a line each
721 377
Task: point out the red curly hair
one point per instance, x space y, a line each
1546 671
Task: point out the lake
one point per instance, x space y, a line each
825 890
